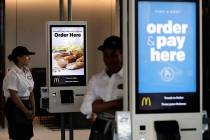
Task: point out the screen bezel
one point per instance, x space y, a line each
82 78
195 96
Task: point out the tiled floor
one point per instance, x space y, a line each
43 133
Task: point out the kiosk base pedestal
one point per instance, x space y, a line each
71 131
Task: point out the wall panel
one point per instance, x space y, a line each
25 25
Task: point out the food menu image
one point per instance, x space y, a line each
67 54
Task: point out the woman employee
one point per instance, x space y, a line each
20 105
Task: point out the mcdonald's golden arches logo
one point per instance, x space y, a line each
146 101
56 80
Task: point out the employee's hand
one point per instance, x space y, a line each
119 104
33 114
92 118
33 111
98 101
29 114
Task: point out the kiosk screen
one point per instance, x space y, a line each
167 62
68 55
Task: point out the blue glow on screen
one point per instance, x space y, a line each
166 47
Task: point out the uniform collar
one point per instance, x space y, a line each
18 70
120 73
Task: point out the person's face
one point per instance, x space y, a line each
23 60
112 60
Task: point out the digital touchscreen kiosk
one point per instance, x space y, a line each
67 55
167 62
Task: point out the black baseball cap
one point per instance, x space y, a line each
19 51
112 42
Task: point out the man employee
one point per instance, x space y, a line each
104 93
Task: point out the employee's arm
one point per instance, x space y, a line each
32 102
101 106
18 103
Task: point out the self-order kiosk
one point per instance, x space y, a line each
67 65
165 69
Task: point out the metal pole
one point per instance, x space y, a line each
62 126
61 8
71 131
69 10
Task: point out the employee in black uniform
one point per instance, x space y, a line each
20 105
